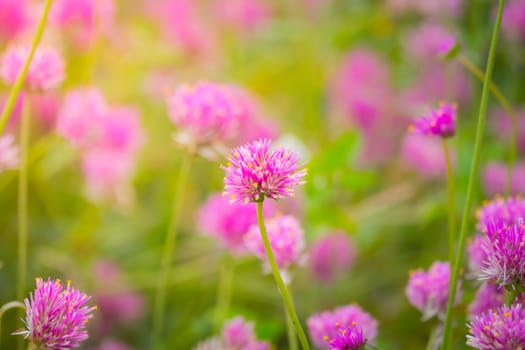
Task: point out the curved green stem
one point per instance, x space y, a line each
447 334
285 294
8 306
169 247
292 338
17 87
451 203
507 107
224 291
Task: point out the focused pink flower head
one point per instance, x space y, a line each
348 337
83 19
429 41
9 153
488 297
56 317
437 122
243 15
46 70
331 255
325 325
513 21
286 240
361 89
204 113
229 222
494 178
500 210
14 18
428 291
254 172
424 155
80 116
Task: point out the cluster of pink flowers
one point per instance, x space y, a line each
428 290
286 240
109 138
237 334
45 72
9 153
56 318
331 255
229 222
326 325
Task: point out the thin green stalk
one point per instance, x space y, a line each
224 291
8 306
292 338
507 107
17 87
433 338
22 203
169 247
451 202
285 294
447 334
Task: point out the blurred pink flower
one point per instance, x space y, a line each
14 18
502 124
46 70
110 344
229 222
243 15
513 21
45 107
431 8
428 41
83 19
325 324
121 131
494 178
487 297
424 155
331 255
286 240
9 153
239 334
476 255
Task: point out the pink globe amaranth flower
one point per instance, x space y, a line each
505 211
229 222
502 125
45 108
348 338
325 325
504 247
45 72
112 345
254 172
14 18
239 334
204 113
83 19
488 296
120 131
361 89
430 8
243 15
429 41
56 317
476 254
494 178
438 122
286 240
9 153
498 329
513 21
424 155
428 291
331 255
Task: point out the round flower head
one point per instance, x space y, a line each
509 211
504 247
229 222
347 338
56 318
14 18
46 70
428 291
487 297
203 114
255 171
326 325
499 329
424 155
286 240
477 255
438 122
8 153
429 41
494 178
331 255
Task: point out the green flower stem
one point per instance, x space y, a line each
22 202
433 338
8 306
285 294
451 202
447 334
224 291
505 104
292 338
169 247
17 87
